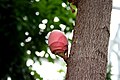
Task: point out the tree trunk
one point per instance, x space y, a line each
88 56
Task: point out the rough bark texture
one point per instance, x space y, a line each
88 56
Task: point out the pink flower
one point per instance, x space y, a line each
57 42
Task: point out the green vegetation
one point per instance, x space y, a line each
24 26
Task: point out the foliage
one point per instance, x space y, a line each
25 25
109 72
23 29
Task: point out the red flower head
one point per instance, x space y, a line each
57 42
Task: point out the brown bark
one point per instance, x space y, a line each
88 56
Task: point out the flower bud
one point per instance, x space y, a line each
57 42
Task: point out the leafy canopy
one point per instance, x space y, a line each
25 25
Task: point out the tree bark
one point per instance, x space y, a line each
88 55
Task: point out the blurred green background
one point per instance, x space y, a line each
24 26
24 29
